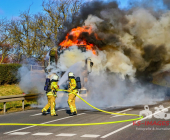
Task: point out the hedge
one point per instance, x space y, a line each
8 73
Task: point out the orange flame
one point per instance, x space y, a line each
75 33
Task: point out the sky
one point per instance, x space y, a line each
11 9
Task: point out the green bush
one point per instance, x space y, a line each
8 73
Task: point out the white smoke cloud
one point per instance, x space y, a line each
31 81
151 30
120 64
108 90
92 21
74 55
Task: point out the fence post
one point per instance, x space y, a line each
22 104
4 107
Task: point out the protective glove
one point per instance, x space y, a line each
68 90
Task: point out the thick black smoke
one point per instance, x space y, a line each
139 34
166 3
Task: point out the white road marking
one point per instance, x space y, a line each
36 114
18 129
107 135
117 115
48 112
42 134
121 112
66 134
19 133
42 123
90 136
62 118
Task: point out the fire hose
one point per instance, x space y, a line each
85 124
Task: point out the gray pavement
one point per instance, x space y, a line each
118 131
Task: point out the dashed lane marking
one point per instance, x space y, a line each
66 134
48 112
60 135
36 114
42 134
89 136
19 133
121 112
117 115
18 129
43 123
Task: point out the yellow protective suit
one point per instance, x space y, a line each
71 96
51 95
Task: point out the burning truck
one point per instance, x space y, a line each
76 38
72 39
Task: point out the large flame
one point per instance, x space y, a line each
75 40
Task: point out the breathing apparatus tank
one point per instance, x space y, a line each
47 84
48 81
78 82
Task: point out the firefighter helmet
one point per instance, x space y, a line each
70 74
55 77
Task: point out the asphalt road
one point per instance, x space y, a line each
152 129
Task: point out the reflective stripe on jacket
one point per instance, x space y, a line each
72 85
54 87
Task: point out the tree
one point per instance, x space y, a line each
3 31
6 50
33 35
5 47
15 39
58 12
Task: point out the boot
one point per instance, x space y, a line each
74 113
44 113
71 114
54 115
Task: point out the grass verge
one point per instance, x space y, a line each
6 90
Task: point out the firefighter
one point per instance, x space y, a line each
51 95
71 97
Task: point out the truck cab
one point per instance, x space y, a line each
53 57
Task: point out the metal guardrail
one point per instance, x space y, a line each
34 67
23 97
